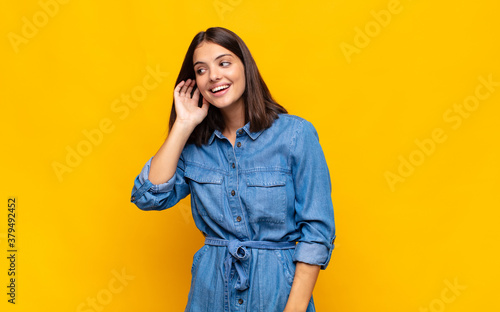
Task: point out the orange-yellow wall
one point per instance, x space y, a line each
396 90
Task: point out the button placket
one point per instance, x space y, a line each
236 207
233 197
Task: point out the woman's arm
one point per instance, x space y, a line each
313 214
189 115
164 162
157 187
302 287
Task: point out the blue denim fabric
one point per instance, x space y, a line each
273 186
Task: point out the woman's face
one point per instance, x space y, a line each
220 75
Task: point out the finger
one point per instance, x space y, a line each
205 102
179 86
185 86
190 87
205 105
196 95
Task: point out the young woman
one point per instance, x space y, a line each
259 183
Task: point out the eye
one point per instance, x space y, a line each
200 71
225 63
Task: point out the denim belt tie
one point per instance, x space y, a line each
237 254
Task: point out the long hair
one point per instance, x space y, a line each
260 108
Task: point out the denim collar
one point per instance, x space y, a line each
246 128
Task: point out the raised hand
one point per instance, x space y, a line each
186 107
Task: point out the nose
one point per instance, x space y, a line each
214 74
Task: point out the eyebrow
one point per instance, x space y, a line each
218 57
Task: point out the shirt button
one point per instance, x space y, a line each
233 192
238 218
238 144
240 131
233 165
133 197
240 301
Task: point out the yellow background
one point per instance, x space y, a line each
401 245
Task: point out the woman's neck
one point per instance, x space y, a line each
234 118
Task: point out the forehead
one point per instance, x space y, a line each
208 51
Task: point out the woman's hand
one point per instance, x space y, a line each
186 107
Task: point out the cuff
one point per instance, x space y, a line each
143 184
313 253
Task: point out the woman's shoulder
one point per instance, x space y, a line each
297 128
294 122
288 119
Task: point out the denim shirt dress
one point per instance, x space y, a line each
262 205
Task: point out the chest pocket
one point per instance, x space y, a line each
206 191
266 197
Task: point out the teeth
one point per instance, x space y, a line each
220 88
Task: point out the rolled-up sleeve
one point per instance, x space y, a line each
149 196
314 215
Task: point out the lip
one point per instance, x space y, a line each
220 93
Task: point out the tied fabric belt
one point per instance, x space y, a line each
238 253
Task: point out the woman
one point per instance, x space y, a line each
259 183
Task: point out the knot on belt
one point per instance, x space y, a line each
237 254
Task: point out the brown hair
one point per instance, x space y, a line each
260 108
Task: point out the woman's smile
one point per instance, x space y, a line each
220 90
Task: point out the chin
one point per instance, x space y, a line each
220 105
